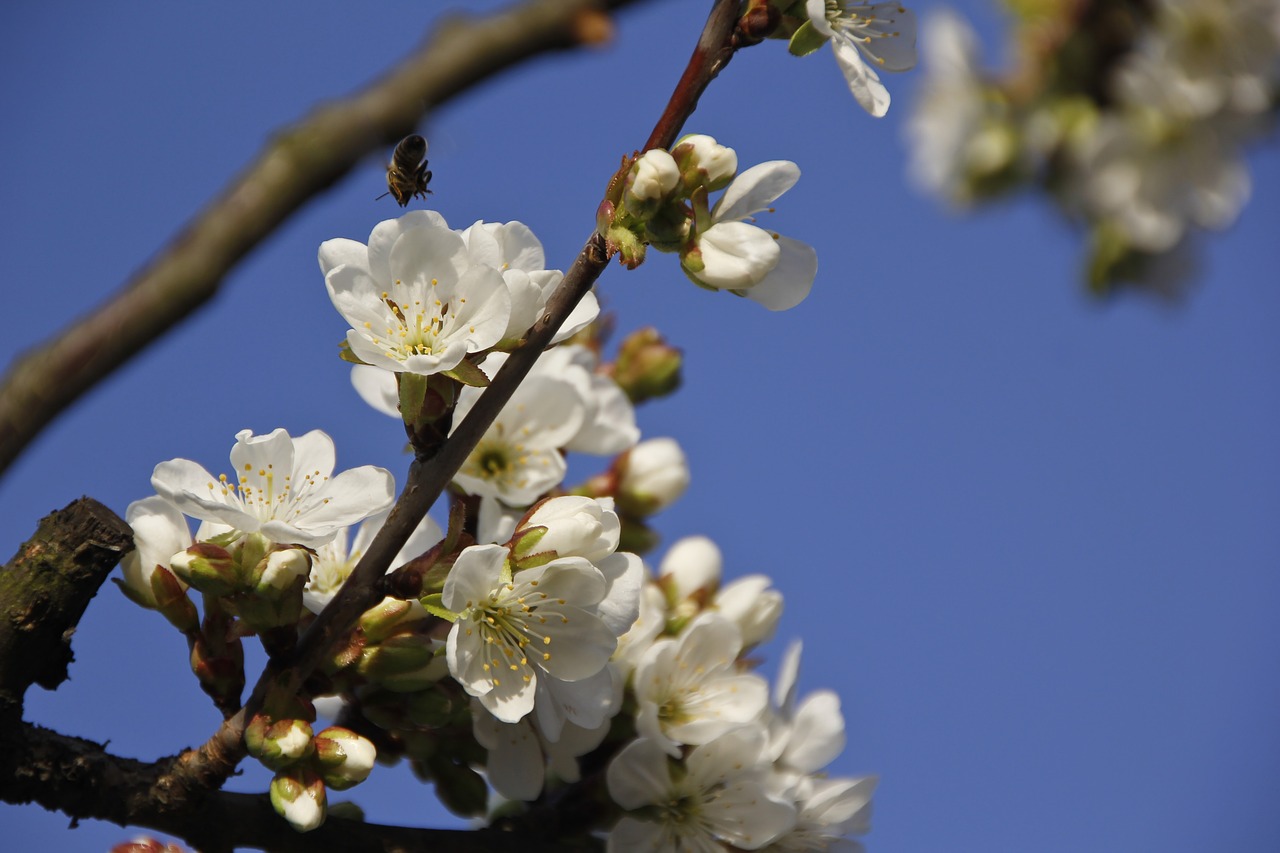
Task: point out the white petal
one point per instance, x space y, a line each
377 387
755 189
339 251
790 281
863 82
736 255
639 776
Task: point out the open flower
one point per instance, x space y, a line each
416 299
512 630
284 489
335 560
732 254
718 798
882 34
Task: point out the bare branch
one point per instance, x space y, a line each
81 779
44 591
299 163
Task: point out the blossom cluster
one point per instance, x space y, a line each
717 763
528 634
1142 142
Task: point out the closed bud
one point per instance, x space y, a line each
279 571
388 616
568 526
703 162
170 597
298 796
752 606
400 656
629 248
691 569
647 366
653 474
208 568
345 758
654 176
278 743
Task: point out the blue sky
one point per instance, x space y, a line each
1029 538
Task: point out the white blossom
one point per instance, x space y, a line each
654 176
717 801
689 690
283 490
513 629
732 254
416 300
752 605
718 162
655 475
882 33
159 532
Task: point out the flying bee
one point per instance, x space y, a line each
407 175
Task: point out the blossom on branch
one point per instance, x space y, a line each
863 37
284 489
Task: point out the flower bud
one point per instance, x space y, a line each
569 526
159 532
403 663
731 256
208 568
146 844
298 796
752 606
653 475
653 177
647 366
388 616
691 568
705 162
277 743
280 570
345 758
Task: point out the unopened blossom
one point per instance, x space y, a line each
689 689
283 489
864 37
717 801
298 795
159 532
753 605
691 568
715 164
654 176
346 759
654 476
416 300
730 253
511 629
569 526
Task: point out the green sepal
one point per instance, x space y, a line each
469 374
345 353
806 40
433 605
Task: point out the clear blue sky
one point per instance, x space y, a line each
1032 540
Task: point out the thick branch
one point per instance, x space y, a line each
81 779
44 591
299 163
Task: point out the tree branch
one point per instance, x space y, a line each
298 164
44 591
81 779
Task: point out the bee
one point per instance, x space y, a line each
407 174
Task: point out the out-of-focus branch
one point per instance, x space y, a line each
81 779
44 591
298 164
428 478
